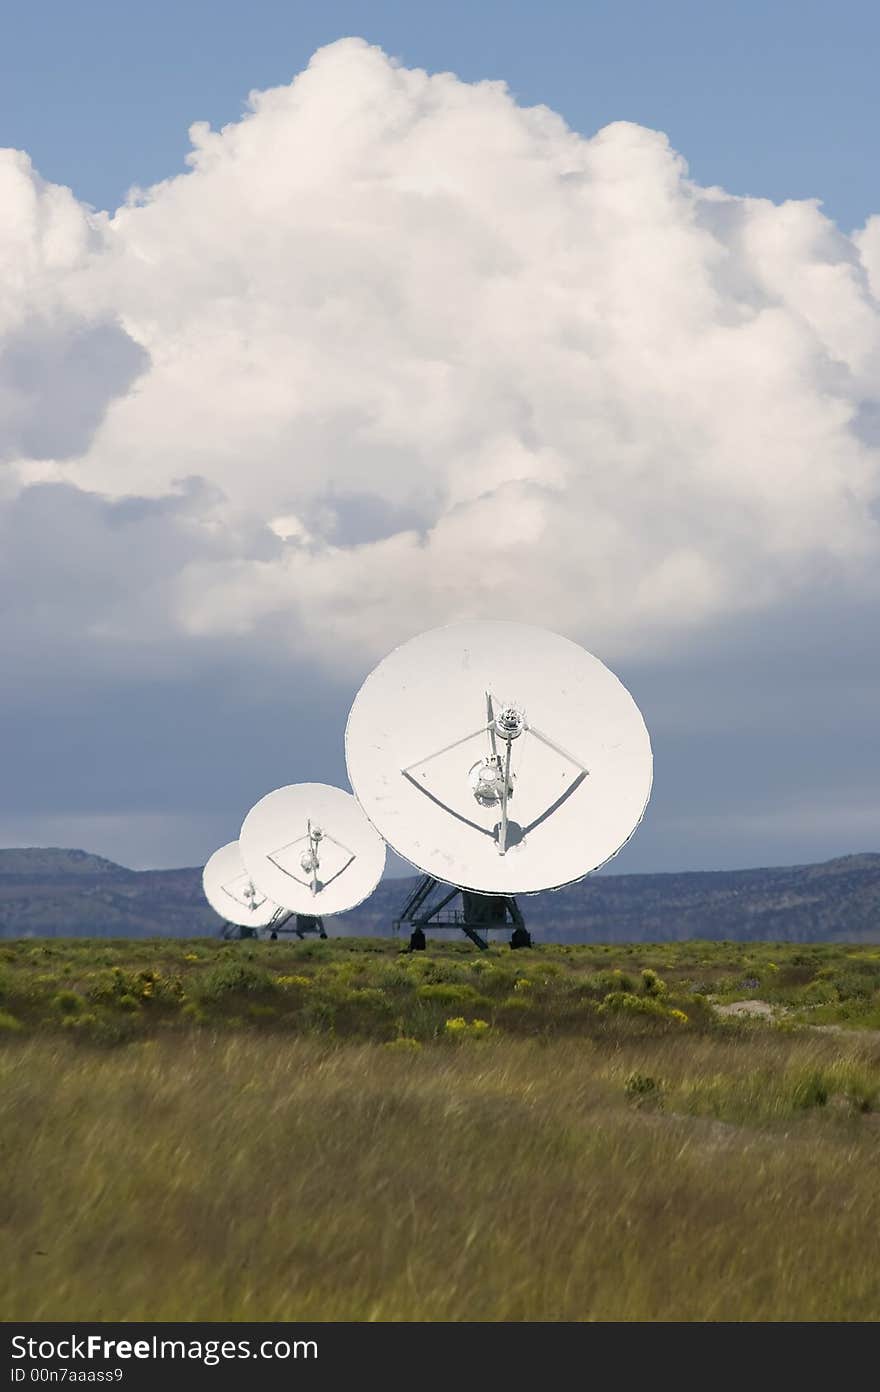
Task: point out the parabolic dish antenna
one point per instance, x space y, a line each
232 893
312 849
498 757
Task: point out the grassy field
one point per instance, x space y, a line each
368 989
333 1130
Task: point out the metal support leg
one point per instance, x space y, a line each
474 936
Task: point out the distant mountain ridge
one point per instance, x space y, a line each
47 892
52 861
54 892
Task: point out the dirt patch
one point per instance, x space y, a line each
747 1007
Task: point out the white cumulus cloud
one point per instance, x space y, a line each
396 350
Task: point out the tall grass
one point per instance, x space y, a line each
258 1176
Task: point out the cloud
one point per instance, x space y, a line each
88 581
62 358
57 379
449 358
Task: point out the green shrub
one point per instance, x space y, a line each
442 971
853 985
820 993
234 979
104 1030
518 1005
624 1002
8 1023
107 986
602 983
341 973
642 1089
83 1022
392 975
371 996
120 987
443 994
332 1008
481 967
68 1002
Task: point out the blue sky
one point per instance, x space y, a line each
169 500
777 99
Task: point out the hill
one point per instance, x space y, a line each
35 862
66 893
69 893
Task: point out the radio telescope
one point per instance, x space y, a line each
312 849
232 894
500 759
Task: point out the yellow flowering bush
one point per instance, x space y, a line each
652 984
459 1028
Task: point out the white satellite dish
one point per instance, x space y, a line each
312 849
232 893
500 758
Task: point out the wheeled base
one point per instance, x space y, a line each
309 923
479 913
301 925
